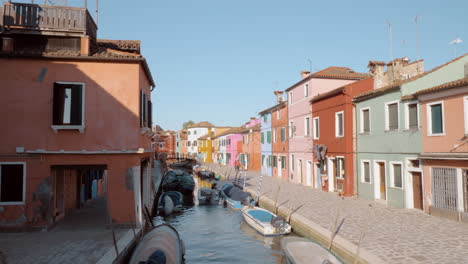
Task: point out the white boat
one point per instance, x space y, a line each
265 222
300 250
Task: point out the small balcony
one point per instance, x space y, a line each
23 18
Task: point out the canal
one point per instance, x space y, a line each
217 234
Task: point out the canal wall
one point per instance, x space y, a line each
344 249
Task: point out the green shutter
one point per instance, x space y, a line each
413 116
393 116
263 137
365 121
436 115
283 134
269 137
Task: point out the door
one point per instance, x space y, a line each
417 190
279 166
309 172
299 169
318 176
383 187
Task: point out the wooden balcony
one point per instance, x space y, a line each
46 20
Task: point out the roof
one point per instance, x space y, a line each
333 72
397 84
204 137
328 94
202 124
234 130
273 108
245 129
438 88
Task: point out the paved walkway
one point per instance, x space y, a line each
392 234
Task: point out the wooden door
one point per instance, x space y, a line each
417 190
383 187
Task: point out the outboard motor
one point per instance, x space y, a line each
279 222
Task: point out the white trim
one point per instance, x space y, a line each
377 179
306 90
361 117
387 121
392 174
461 206
406 106
336 123
307 122
315 130
429 119
362 172
24 182
290 97
274 134
278 114
340 167
83 104
331 176
465 103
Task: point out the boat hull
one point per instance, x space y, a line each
262 226
299 250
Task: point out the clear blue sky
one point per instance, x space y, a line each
220 60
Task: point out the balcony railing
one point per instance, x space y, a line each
33 17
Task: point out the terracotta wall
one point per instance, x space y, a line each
280 148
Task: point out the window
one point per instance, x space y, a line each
283 162
307 127
177 143
189 132
265 118
340 167
339 124
263 161
195 132
188 143
278 114
290 97
194 143
268 137
263 138
160 145
365 120
412 116
396 174
275 161
365 171
12 183
306 90
391 116
68 104
435 119
292 162
316 128
465 102
274 135
283 134
291 129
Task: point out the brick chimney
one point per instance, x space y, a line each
279 96
84 46
304 74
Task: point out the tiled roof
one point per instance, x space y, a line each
438 88
273 108
204 137
397 84
376 63
202 124
129 45
234 130
245 129
333 72
328 94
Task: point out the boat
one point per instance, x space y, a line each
234 196
300 250
162 244
178 180
208 196
205 174
186 163
170 202
265 222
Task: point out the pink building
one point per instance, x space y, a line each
300 116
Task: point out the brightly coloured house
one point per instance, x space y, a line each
251 146
267 158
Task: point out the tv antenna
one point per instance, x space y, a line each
455 42
310 64
390 37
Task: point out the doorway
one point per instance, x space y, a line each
417 190
299 169
279 166
382 180
318 182
309 173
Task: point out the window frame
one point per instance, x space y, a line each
429 119
407 121
291 128
83 103
307 129
306 90
23 202
361 117
290 97
283 139
337 126
278 114
274 134
362 174
342 167
387 119
316 127
392 174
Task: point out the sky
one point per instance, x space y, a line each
220 61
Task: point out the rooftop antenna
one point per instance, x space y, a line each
97 12
310 64
455 42
391 47
416 19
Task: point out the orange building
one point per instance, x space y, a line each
251 146
165 142
76 115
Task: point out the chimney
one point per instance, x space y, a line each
253 118
279 96
8 45
84 46
304 74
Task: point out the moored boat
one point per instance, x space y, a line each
170 202
178 180
205 174
265 222
186 163
300 250
160 245
234 196
208 196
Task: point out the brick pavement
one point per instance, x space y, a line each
392 234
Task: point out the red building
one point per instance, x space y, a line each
332 131
250 154
165 142
279 127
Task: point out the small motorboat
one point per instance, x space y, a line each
265 222
235 197
205 175
178 180
208 196
170 202
162 244
300 250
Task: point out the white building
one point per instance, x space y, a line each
194 133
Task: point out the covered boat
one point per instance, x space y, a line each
185 163
300 250
208 196
178 180
205 174
265 222
170 202
235 196
160 245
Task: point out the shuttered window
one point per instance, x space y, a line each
436 119
268 137
68 104
339 124
316 128
365 121
392 118
413 116
150 114
397 176
263 138
283 134
366 171
283 162
275 161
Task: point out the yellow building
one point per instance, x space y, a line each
205 144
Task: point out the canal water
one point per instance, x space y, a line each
217 234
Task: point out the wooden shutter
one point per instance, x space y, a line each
365 121
141 107
393 116
413 115
150 114
57 111
436 118
366 172
76 105
397 175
